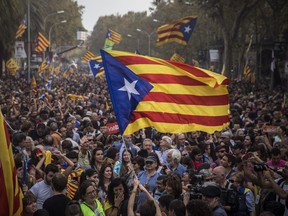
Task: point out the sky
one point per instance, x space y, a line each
96 8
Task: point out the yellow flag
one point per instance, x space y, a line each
33 82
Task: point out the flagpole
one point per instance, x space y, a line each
28 43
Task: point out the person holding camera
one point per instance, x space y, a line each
211 195
280 185
229 192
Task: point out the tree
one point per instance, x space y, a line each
228 15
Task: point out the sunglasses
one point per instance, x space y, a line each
231 181
149 162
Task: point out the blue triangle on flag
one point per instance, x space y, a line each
125 87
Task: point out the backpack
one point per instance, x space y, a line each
242 208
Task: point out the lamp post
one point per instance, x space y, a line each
52 14
131 36
149 39
50 30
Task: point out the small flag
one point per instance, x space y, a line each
21 29
44 65
223 70
88 55
10 193
12 66
113 36
172 97
96 66
77 97
33 82
247 71
41 43
57 70
179 31
49 82
177 58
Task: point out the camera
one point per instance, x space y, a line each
195 192
259 167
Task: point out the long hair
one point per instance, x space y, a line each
124 168
83 187
92 160
115 183
101 175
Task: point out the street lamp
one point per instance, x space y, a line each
149 39
50 30
131 36
51 14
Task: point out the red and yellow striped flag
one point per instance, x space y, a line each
21 30
177 58
41 43
88 55
10 193
179 31
182 98
113 36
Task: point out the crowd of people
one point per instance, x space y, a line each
69 164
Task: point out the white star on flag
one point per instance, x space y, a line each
96 66
187 29
130 88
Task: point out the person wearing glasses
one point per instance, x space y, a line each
90 205
148 177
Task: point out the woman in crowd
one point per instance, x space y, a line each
196 156
126 170
89 174
174 185
97 159
90 205
105 178
117 198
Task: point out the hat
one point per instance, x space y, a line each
167 139
211 191
151 158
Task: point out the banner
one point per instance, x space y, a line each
19 50
113 128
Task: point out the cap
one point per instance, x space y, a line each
211 191
151 158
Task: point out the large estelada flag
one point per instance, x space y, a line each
170 96
179 31
41 43
10 193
